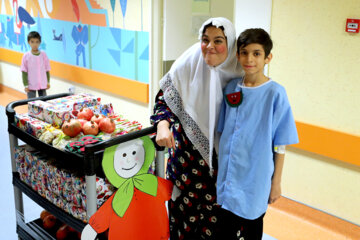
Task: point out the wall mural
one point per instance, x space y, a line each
108 36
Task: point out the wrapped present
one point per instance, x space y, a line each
19 155
30 125
21 120
61 187
107 109
57 114
123 124
36 109
84 98
36 127
64 100
132 126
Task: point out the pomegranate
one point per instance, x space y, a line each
43 214
62 232
82 121
85 113
90 128
49 221
71 127
97 118
107 125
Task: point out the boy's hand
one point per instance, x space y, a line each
27 89
164 137
275 192
48 86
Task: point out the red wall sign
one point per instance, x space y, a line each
352 25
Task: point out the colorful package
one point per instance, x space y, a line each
107 109
36 127
61 187
57 114
36 109
21 120
30 125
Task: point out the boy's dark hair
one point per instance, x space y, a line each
33 34
255 35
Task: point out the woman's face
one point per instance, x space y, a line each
214 46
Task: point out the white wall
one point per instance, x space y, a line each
178 33
252 14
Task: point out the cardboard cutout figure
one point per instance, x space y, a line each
137 209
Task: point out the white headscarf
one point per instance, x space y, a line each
193 90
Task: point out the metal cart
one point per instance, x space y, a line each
89 162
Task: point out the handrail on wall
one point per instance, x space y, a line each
329 143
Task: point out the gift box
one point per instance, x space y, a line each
36 127
63 100
107 109
30 125
75 103
19 155
61 187
21 120
57 114
36 109
122 124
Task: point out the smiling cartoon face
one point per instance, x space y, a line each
129 158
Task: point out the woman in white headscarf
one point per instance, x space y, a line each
186 113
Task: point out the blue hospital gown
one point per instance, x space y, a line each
249 133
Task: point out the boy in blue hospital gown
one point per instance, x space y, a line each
256 122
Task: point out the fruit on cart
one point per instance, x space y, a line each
97 118
49 221
107 125
90 128
71 127
43 214
85 113
82 121
62 232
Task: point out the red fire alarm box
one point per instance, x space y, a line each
352 25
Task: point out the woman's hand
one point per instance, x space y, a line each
48 86
27 89
164 137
